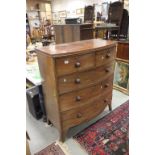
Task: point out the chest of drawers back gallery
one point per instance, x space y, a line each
77 80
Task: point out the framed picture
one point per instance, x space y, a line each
62 14
80 11
55 15
121 76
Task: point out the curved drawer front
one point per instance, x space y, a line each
103 72
81 80
86 95
85 113
105 56
71 64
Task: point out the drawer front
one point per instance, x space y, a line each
81 80
104 71
85 113
105 56
84 96
71 64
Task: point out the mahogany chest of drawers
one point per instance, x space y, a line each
77 80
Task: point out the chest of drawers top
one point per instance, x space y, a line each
78 47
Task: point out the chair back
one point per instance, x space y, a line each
89 14
115 13
124 24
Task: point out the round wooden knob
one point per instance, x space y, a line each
107 70
78 98
79 115
108 55
77 81
77 64
106 85
106 100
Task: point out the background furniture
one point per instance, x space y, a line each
77 81
115 16
117 23
34 90
35 101
73 20
120 17
65 33
89 14
121 75
123 50
104 27
37 13
124 25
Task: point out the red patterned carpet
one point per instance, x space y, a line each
109 135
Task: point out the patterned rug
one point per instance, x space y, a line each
53 149
109 135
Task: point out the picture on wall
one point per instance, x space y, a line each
121 76
80 11
55 15
62 14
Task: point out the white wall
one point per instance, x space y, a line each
59 5
71 5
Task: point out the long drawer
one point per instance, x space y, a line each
71 64
84 96
80 80
85 113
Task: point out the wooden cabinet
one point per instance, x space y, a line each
123 50
77 82
73 32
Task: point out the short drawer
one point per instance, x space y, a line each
71 64
104 71
84 79
85 113
84 96
105 56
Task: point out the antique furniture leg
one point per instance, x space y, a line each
49 122
110 107
63 135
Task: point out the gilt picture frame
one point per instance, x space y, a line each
121 76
